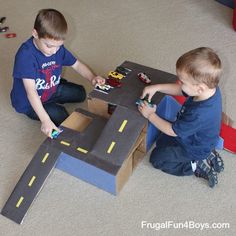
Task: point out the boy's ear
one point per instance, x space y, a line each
201 88
35 33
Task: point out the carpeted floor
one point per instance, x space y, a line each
103 34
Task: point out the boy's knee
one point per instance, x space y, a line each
83 94
79 94
59 115
154 160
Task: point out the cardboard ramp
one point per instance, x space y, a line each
30 183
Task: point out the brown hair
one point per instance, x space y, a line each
50 23
202 64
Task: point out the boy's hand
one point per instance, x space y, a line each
47 128
98 80
146 110
150 90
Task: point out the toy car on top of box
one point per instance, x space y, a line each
114 79
123 70
113 82
115 75
144 78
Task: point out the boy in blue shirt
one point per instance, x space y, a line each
186 146
38 89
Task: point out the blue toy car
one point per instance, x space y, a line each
140 101
55 133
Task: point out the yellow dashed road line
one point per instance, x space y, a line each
111 147
82 150
123 126
32 181
65 143
19 202
45 157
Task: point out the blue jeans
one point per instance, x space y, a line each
170 157
67 92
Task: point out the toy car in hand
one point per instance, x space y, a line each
144 78
115 75
55 133
141 101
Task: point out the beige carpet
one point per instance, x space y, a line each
104 33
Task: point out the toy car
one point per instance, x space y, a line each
55 133
105 88
10 35
113 82
123 70
140 101
144 78
2 20
4 29
115 75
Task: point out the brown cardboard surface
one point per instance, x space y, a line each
77 121
124 173
129 164
98 107
143 145
137 158
139 142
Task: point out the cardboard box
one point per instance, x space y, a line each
101 147
107 171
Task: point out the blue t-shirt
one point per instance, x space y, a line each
31 63
198 125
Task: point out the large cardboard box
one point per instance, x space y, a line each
101 146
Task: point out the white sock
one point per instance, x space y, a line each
194 165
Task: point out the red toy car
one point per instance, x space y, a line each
144 78
10 35
113 82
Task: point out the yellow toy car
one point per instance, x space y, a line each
115 75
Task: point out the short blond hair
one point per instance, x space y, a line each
50 23
202 64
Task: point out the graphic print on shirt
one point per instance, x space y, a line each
48 81
180 113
